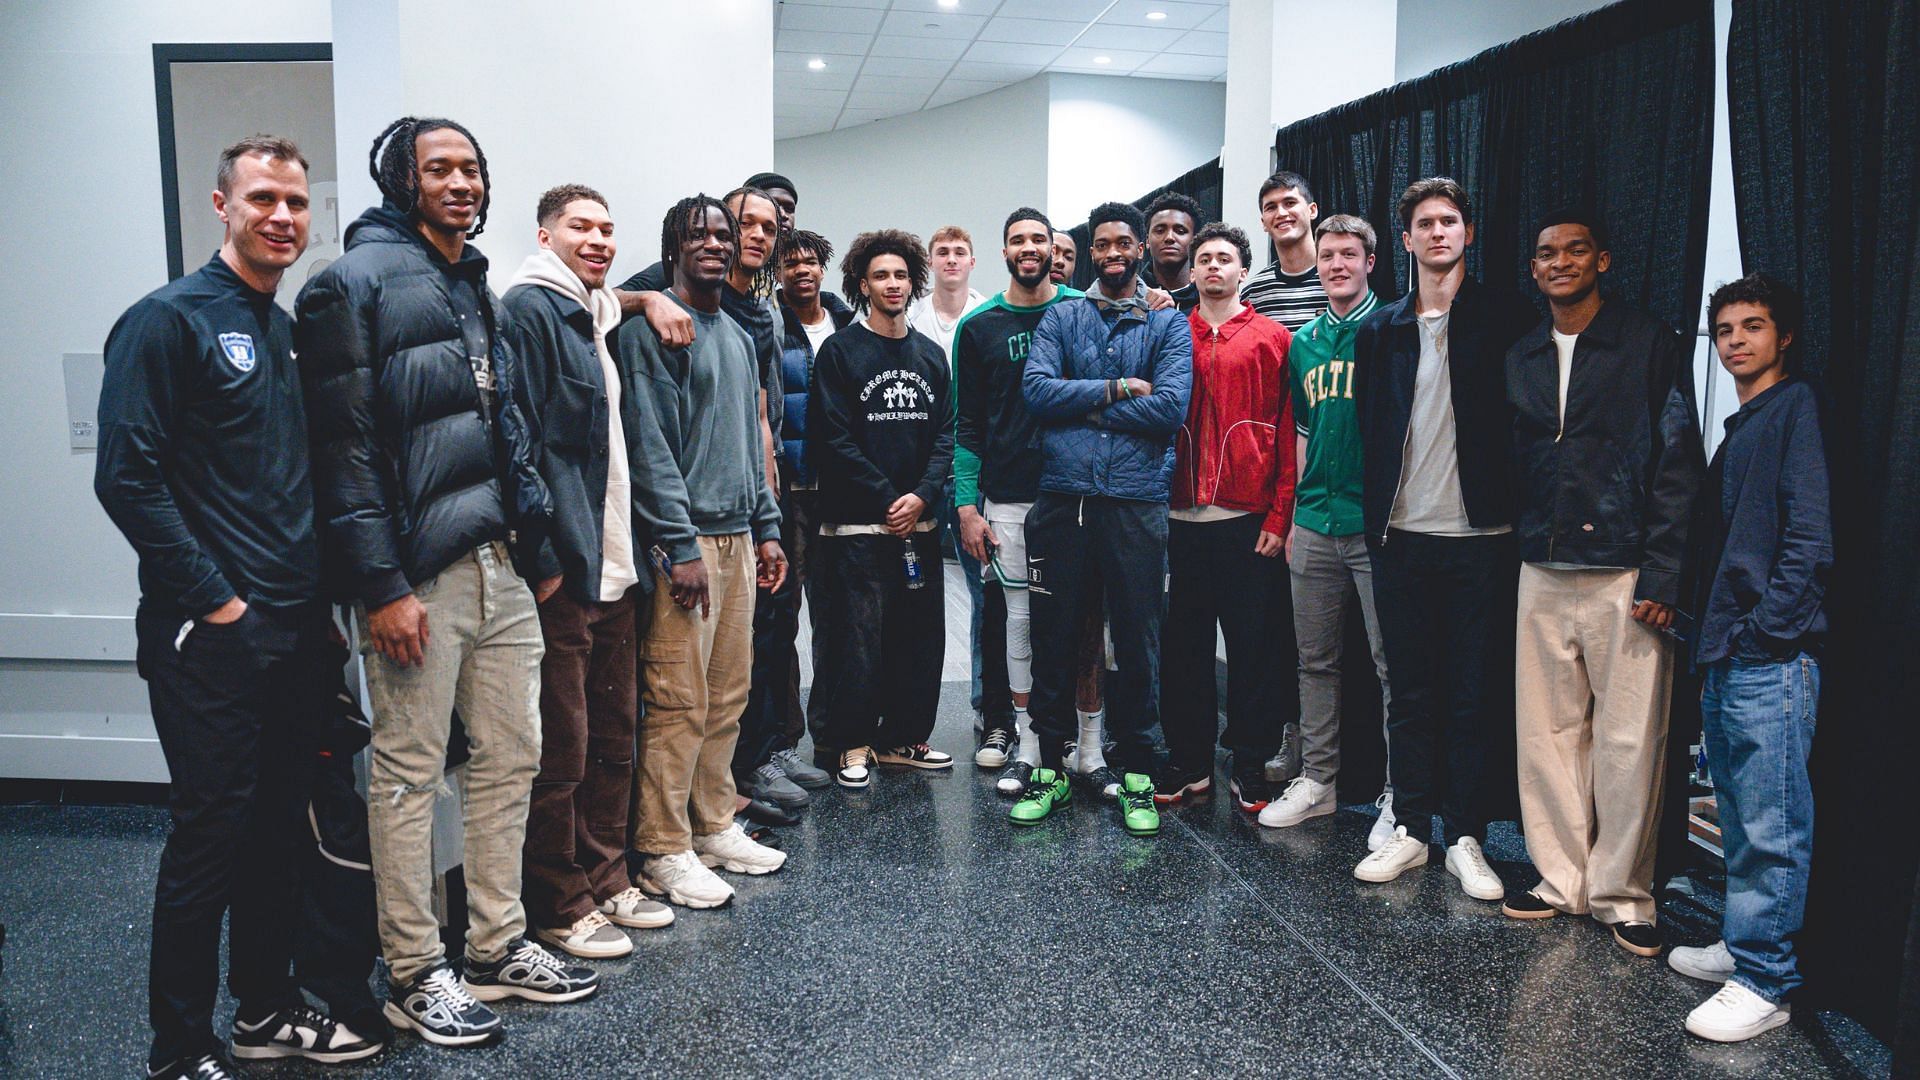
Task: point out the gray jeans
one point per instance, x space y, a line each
483 658
1325 569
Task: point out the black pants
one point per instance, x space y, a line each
878 646
1080 548
236 707
1446 606
799 532
996 696
776 623
1216 579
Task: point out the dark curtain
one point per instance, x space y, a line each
1826 155
1201 184
1613 109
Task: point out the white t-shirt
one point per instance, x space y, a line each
818 333
1429 499
1563 344
924 317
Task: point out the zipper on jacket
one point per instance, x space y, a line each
1398 481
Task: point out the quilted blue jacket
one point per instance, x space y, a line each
1090 445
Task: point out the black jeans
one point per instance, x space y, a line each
878 645
776 623
1216 579
237 707
1079 548
1446 606
996 697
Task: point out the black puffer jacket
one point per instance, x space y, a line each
408 471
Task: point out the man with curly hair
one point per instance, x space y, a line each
880 434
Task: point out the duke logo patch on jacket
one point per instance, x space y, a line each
238 349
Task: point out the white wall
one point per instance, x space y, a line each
1113 139
80 217
628 107
1062 143
966 164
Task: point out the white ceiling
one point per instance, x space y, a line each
889 57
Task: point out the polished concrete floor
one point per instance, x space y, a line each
914 932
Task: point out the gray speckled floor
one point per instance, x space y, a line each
914 932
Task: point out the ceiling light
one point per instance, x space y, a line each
1156 16
1103 59
816 64
949 4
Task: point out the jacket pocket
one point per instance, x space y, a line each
571 416
1246 465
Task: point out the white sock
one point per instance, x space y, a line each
1029 750
1092 735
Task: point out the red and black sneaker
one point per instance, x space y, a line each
1174 785
1251 790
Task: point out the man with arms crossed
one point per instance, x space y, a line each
716 536
203 466
1437 502
1607 444
1326 551
587 427
422 471
1107 380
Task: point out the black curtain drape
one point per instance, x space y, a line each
1202 184
1826 155
1613 109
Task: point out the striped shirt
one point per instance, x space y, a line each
1292 300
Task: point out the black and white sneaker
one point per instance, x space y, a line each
531 972
1102 782
918 755
440 1010
301 1031
1013 781
994 749
200 1067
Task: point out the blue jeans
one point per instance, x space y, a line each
1759 720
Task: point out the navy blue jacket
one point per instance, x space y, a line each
203 448
1483 324
796 369
1768 529
1614 483
1091 445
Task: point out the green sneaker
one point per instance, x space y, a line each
1046 792
1137 811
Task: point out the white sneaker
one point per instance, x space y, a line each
856 767
592 937
1467 862
1401 854
1304 798
683 880
1736 1014
632 908
733 850
1711 964
1382 830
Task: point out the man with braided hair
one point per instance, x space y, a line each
431 511
716 536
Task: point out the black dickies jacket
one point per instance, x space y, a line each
1614 484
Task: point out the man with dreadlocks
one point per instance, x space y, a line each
746 297
423 472
712 517
880 434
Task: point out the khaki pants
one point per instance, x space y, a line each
1591 687
695 674
483 658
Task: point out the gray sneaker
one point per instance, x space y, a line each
1284 765
798 771
770 784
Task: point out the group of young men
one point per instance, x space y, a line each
544 509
